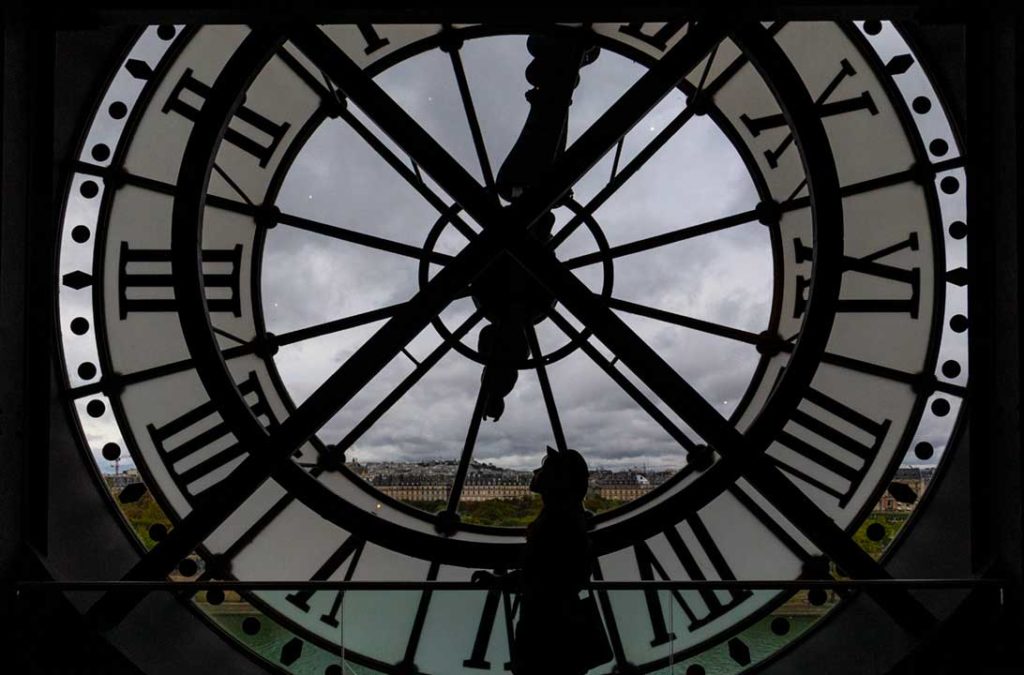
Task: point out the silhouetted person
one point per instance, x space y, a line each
556 566
550 637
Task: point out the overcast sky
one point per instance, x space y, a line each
695 177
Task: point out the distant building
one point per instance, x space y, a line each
117 481
626 485
431 481
913 477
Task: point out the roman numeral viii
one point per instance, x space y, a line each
145 282
908 281
700 607
250 131
485 627
197 444
350 550
826 108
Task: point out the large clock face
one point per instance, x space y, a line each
284 253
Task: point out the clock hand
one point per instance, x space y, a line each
554 73
506 347
514 302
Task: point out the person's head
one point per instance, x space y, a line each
563 477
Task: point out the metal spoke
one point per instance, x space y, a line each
634 392
707 69
234 186
121 380
545 388
615 160
337 325
229 336
878 370
406 384
389 117
878 182
656 241
471 118
620 178
361 238
687 321
455 494
243 349
411 176
337 107
635 164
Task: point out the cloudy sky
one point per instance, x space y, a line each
697 176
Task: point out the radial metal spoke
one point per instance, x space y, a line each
687 321
411 175
455 494
393 121
120 380
406 384
634 165
622 176
879 370
545 388
338 108
471 118
631 389
338 325
361 238
225 334
234 186
243 349
648 243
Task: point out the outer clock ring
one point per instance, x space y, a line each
188 205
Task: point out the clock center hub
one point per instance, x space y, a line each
507 294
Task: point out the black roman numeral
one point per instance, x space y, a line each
495 597
373 39
408 662
712 605
870 266
826 108
152 289
189 435
350 549
659 39
257 127
837 454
